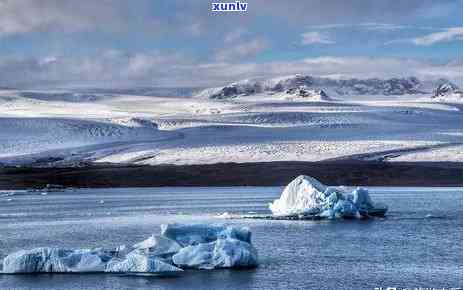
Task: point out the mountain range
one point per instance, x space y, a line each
329 86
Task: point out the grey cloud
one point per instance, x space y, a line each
23 16
339 11
315 37
164 69
195 17
447 35
243 50
235 35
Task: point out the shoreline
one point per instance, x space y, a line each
346 172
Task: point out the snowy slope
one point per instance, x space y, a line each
300 123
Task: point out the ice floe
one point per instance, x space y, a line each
222 253
140 263
306 197
192 234
56 260
158 246
198 246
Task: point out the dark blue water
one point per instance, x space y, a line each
419 244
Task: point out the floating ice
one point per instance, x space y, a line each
140 263
192 234
197 256
158 246
362 198
223 253
304 194
212 246
179 246
307 197
46 260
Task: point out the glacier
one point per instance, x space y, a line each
247 121
179 246
306 197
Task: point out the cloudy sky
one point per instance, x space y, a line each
184 43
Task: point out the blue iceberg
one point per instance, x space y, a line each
306 197
179 246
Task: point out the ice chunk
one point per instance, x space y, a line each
196 256
231 253
306 197
120 251
158 246
45 260
137 262
345 209
192 234
223 253
206 247
362 198
366 206
303 195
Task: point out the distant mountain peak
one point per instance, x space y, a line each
329 86
445 89
449 92
305 92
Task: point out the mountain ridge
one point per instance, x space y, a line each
330 86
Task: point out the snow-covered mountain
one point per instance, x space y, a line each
284 119
448 92
330 86
307 93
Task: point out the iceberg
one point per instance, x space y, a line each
304 194
199 246
365 205
56 260
195 256
211 246
361 198
345 209
140 263
306 197
158 246
223 253
193 234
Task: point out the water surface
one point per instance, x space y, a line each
417 245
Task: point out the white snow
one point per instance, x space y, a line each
452 153
448 92
306 196
302 195
260 127
200 246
